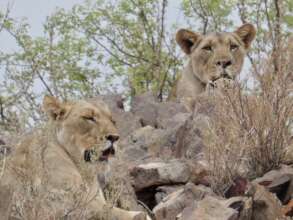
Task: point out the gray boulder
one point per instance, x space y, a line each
154 113
174 203
160 173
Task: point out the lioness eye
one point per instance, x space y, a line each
233 47
89 118
208 48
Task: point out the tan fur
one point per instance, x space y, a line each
211 57
50 177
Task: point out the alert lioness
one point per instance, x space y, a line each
212 57
49 171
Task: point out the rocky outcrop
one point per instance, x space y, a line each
162 150
173 204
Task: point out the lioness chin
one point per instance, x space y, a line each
49 173
211 57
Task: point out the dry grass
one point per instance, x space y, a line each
249 131
31 203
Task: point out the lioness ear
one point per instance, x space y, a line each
53 107
247 33
186 39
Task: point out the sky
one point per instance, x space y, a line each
35 11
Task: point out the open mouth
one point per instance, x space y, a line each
88 154
92 155
107 152
212 82
224 76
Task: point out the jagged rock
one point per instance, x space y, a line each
145 107
170 131
150 142
266 206
177 120
279 182
243 205
199 172
126 123
210 208
154 113
164 191
160 173
181 138
171 206
199 191
190 137
175 202
146 142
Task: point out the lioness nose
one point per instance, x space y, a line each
112 137
224 63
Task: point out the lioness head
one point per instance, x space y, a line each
216 55
82 127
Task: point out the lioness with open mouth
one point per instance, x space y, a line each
49 173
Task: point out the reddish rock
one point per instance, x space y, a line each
238 188
287 210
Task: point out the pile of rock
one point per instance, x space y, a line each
165 173
161 168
